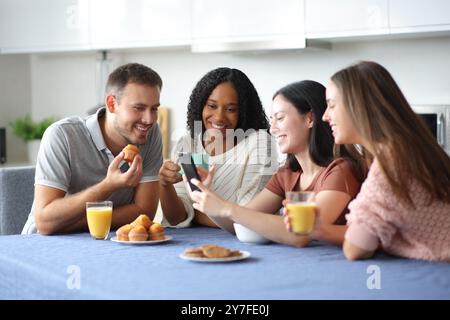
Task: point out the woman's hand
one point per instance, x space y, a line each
169 173
286 219
317 223
207 176
210 203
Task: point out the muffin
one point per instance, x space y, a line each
130 151
142 220
138 233
123 231
156 232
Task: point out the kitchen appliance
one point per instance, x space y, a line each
437 117
2 145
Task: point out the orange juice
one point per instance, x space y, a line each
99 221
302 216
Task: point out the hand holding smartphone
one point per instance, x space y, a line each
187 163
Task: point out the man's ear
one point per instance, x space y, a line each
110 103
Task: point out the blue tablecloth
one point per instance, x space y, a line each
42 267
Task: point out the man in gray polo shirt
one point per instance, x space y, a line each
80 160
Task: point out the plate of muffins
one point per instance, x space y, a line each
142 231
146 242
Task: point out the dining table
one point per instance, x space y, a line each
75 266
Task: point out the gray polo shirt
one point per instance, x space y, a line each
73 156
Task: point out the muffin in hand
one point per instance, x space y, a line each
130 151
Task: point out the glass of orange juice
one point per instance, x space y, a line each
99 216
301 209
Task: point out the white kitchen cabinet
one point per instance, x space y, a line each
345 18
230 25
44 25
28 26
139 23
410 16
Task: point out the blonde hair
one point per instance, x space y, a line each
400 140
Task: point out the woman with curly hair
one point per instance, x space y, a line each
227 122
313 164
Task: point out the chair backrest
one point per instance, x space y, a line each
16 197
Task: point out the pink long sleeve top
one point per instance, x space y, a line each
377 217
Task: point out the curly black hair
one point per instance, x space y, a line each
251 111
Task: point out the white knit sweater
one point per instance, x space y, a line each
241 172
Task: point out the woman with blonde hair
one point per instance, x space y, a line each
404 204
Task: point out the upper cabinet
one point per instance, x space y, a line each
359 18
67 25
411 16
139 23
44 25
28 26
231 25
346 18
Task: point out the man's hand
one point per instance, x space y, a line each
115 179
169 173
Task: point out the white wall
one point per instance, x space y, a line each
65 84
62 84
421 67
15 100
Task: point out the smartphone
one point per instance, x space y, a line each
187 163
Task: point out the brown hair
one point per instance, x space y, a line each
310 96
131 73
399 139
357 158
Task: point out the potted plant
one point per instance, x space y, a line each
31 132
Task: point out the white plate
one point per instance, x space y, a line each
244 255
168 238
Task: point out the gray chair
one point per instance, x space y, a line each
16 197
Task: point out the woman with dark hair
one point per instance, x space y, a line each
297 125
404 204
226 122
